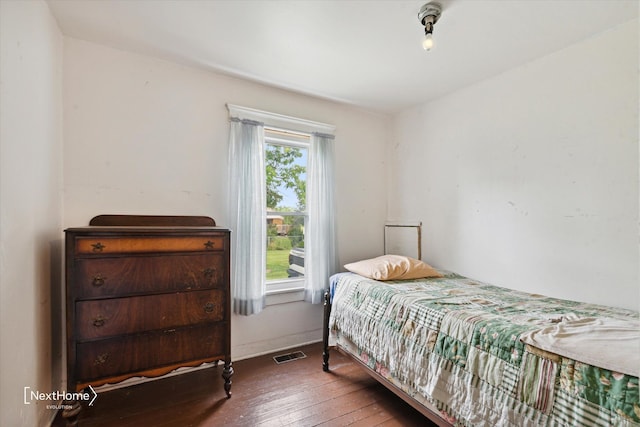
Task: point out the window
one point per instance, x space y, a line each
286 162
295 222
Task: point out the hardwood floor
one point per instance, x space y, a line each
295 393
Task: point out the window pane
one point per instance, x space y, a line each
286 174
285 246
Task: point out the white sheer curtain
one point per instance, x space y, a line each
247 199
320 251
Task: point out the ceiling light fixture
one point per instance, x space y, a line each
428 16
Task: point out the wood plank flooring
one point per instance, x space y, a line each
295 393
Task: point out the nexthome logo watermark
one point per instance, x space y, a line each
57 396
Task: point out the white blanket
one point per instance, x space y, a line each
607 343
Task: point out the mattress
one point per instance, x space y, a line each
484 355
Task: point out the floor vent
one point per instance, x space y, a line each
289 357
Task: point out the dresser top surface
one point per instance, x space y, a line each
145 224
93 229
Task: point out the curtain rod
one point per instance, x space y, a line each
279 120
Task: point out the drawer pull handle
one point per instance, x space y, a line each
98 247
208 272
98 280
208 307
99 321
101 359
209 244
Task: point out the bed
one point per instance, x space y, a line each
467 353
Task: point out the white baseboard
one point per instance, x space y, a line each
260 348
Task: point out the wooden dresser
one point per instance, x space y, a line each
146 295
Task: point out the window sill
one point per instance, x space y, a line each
285 295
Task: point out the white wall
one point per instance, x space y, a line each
30 209
148 136
530 179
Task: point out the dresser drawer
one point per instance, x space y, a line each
110 245
120 316
104 277
117 356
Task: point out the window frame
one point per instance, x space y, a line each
278 286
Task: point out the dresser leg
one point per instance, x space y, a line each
227 373
71 415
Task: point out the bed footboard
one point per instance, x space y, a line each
325 333
431 415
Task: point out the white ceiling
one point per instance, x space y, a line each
366 53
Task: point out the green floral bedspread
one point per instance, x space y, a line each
454 342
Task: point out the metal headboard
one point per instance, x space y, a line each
417 226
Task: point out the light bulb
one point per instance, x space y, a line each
427 43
